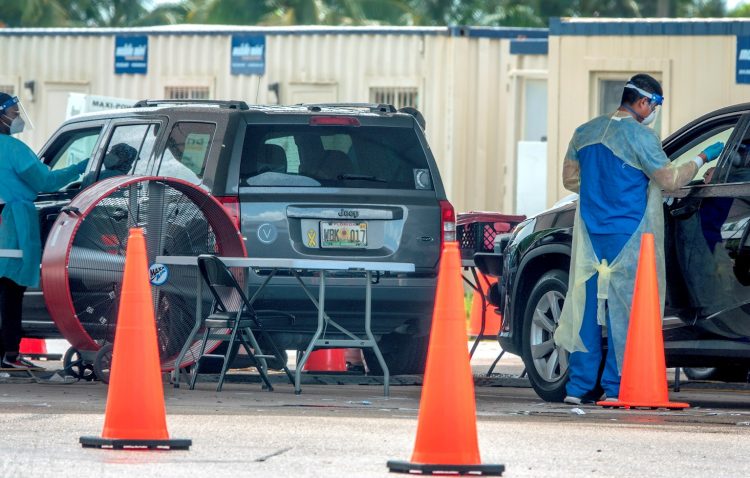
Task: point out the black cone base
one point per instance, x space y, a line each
427 469
119 444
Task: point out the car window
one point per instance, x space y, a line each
353 157
72 147
187 149
147 148
139 137
701 142
737 155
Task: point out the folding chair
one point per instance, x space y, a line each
233 319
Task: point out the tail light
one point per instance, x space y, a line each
232 206
447 222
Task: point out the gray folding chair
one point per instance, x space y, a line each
232 319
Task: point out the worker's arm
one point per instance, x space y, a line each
670 176
39 176
571 174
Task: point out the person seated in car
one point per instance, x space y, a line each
117 162
708 270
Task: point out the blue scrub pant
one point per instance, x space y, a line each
583 371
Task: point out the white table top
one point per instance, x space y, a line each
301 264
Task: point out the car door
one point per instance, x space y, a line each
141 135
71 144
709 270
94 140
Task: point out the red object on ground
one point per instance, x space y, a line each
33 347
491 318
326 360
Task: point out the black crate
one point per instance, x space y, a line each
475 232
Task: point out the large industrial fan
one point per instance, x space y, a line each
84 259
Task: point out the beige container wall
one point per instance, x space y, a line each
463 86
697 74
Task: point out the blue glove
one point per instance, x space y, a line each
82 165
713 151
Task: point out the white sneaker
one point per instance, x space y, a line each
571 400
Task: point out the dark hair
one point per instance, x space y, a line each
4 97
644 82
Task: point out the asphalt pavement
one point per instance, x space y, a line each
341 425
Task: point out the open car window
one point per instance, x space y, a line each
72 147
721 132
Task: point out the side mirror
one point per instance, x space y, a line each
489 263
501 242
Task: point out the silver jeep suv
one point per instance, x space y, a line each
355 182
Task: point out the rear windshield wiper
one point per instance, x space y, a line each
362 177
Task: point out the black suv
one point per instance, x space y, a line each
707 249
295 179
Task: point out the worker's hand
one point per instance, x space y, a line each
82 165
713 151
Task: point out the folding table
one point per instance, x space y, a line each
295 268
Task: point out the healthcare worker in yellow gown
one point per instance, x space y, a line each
22 177
617 165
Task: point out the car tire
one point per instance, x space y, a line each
403 354
546 363
721 374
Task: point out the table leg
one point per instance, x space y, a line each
368 331
193 332
318 333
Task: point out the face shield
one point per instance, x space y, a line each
14 116
654 101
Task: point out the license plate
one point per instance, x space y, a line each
338 234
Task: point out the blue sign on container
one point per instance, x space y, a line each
248 54
743 59
131 54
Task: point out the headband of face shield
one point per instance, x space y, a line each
14 116
654 99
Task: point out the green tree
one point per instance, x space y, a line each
88 13
33 13
529 13
741 11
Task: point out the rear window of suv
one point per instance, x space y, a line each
352 157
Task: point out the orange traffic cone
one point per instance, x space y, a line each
446 431
135 415
644 373
326 360
491 319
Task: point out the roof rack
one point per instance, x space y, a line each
374 107
232 105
